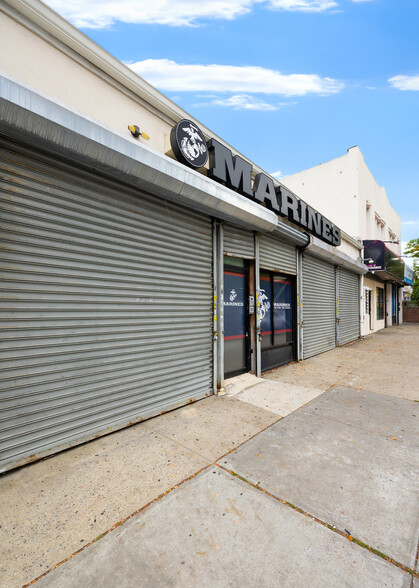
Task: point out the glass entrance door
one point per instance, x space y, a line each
277 320
235 318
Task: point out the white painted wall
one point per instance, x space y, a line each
81 88
345 191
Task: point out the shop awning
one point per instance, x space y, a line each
383 262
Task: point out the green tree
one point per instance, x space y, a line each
415 292
412 250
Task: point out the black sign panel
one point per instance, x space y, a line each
188 144
375 255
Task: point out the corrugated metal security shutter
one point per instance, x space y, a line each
106 307
319 306
277 255
349 327
239 242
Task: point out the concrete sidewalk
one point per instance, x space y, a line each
52 508
325 497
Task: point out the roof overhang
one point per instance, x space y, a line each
46 124
387 277
383 263
332 255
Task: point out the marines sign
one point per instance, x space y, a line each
190 148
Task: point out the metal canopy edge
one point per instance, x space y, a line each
25 112
291 235
328 253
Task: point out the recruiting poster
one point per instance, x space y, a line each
265 298
234 306
282 310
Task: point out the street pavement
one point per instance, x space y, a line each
227 492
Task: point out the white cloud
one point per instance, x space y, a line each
413 223
244 102
103 13
302 5
175 77
277 174
405 82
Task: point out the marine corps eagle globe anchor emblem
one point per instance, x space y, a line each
188 144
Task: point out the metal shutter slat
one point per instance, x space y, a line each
238 242
319 306
349 325
106 298
277 255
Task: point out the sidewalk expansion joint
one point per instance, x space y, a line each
413 573
119 523
138 511
205 457
416 565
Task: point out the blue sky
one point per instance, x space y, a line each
289 83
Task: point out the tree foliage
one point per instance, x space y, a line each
415 293
412 248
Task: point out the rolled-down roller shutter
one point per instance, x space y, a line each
349 327
105 306
238 242
277 255
319 306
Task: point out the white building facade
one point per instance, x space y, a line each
346 189
136 274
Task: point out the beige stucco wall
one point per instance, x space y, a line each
326 187
375 196
55 74
341 189
349 249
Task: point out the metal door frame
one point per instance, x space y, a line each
294 344
245 270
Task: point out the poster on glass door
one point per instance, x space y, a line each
282 310
234 307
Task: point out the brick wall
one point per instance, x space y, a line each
410 314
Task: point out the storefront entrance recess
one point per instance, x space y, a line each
236 323
277 320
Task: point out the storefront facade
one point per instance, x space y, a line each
383 286
137 279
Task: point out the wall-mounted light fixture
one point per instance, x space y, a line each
135 131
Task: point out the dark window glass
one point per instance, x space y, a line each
282 311
266 310
380 304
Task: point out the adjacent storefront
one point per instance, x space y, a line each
387 270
